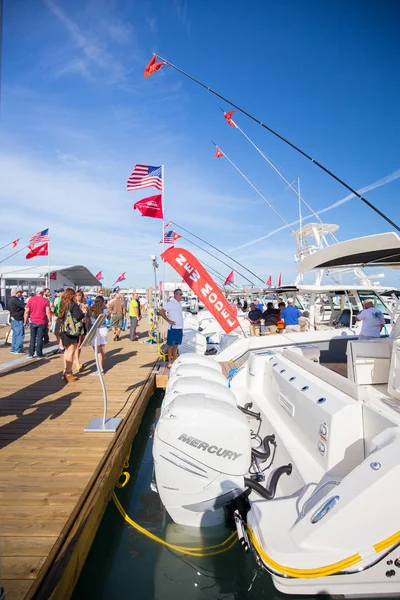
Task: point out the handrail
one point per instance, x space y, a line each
318 489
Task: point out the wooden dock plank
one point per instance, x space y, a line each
56 480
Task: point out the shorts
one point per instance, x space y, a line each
174 337
69 340
117 321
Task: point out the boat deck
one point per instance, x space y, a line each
56 480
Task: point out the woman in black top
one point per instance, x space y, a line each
68 307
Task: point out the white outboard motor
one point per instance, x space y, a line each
202 452
196 385
193 341
191 358
193 370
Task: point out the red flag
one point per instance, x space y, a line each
228 117
200 282
230 279
14 243
218 153
280 280
121 277
53 276
99 275
150 207
168 224
269 281
42 250
153 66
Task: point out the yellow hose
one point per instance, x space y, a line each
202 551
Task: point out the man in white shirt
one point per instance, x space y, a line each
372 320
175 320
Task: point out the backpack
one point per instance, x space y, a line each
70 326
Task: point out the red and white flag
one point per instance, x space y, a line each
280 280
42 250
40 237
269 281
170 237
15 243
153 66
218 153
150 207
228 117
230 279
99 275
144 176
200 282
121 277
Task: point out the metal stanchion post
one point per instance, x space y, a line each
100 424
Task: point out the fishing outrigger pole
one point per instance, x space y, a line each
275 133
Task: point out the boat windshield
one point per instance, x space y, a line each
377 302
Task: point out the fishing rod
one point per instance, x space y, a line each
286 141
276 170
216 257
254 187
221 252
11 255
218 274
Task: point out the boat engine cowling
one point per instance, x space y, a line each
196 385
196 359
193 370
202 452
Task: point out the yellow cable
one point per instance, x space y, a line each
203 551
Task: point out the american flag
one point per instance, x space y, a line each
40 237
144 176
170 237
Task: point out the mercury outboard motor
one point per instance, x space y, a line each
202 454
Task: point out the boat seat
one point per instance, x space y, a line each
334 379
368 362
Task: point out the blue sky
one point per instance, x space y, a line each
76 115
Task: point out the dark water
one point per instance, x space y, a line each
125 565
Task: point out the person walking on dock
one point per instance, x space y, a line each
117 310
71 328
174 319
37 310
134 317
98 308
290 315
16 306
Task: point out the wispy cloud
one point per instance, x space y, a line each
93 51
379 183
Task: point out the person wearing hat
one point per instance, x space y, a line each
17 308
372 320
290 315
37 310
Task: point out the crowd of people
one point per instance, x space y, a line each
70 315
286 317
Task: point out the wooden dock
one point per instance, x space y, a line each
56 480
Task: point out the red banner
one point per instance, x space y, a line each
200 282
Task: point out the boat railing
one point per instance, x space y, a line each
317 489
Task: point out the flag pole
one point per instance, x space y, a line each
48 262
162 296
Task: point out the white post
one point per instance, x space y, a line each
163 248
